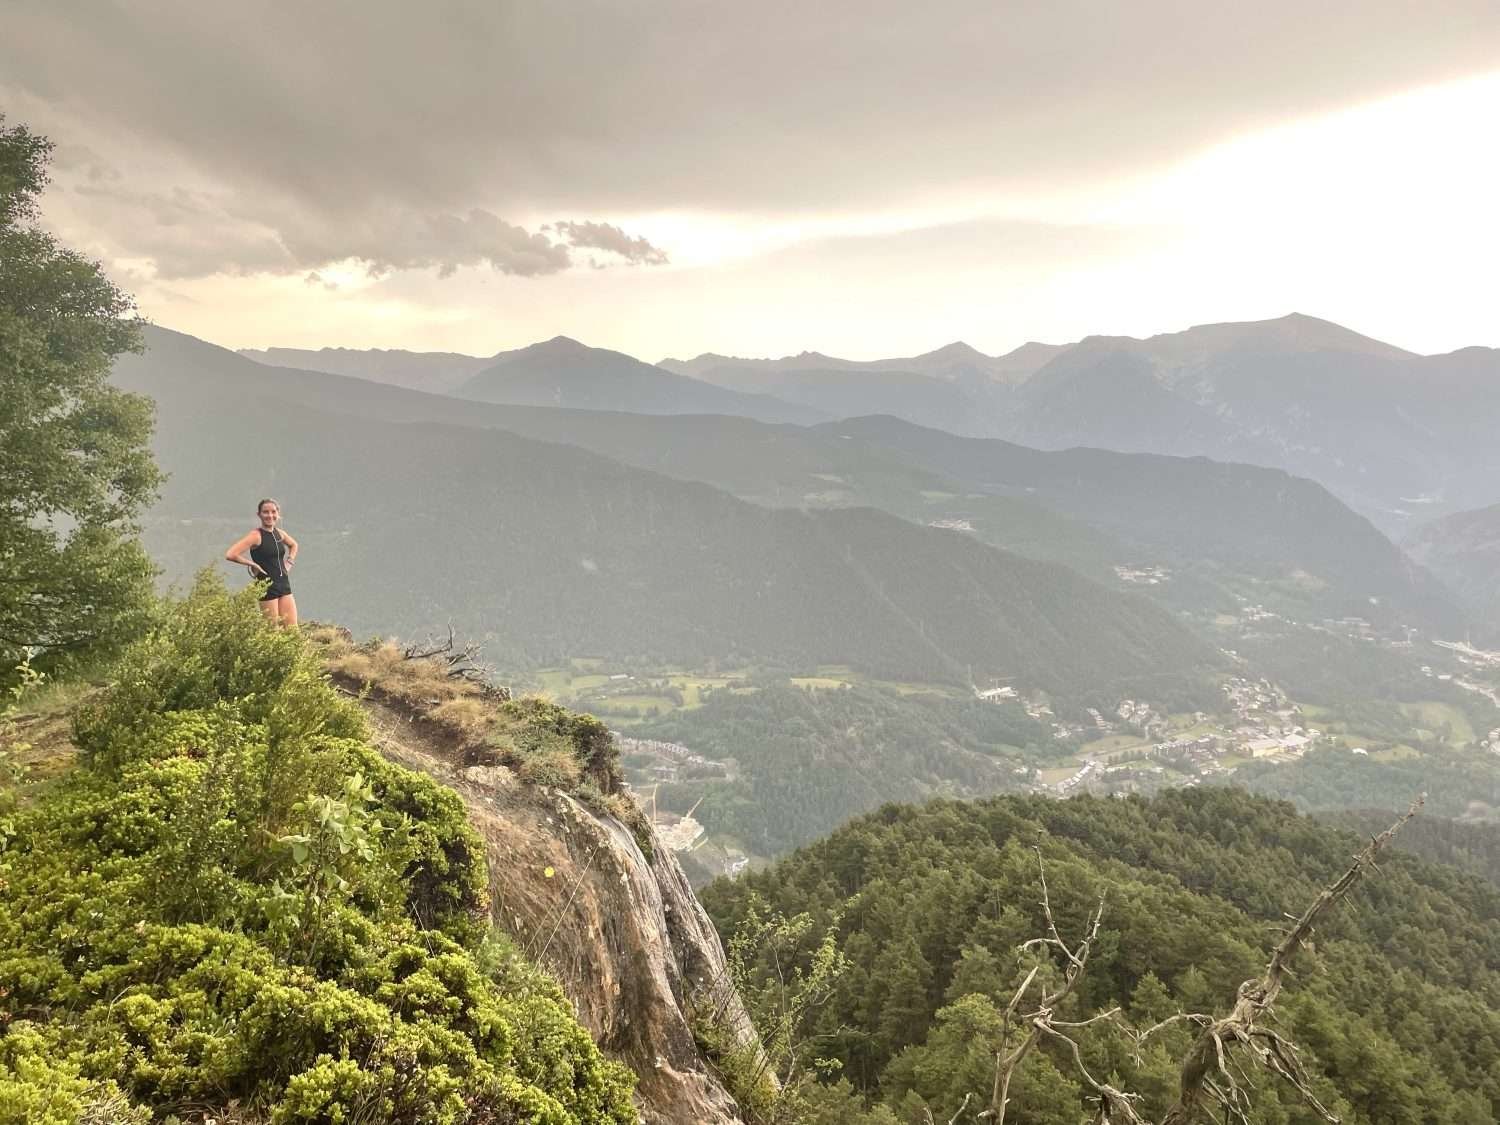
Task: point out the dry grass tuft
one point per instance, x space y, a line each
553 765
545 745
469 714
417 682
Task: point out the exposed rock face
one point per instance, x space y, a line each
624 935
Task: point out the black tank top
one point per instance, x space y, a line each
269 554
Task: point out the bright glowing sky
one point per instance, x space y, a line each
876 193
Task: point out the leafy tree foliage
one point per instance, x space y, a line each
1396 1007
75 469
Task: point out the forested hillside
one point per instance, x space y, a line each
1394 1008
1470 847
808 760
1329 780
1240 520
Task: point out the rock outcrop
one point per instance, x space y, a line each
623 933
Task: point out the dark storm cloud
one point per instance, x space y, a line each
402 134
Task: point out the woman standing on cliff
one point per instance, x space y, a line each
271 555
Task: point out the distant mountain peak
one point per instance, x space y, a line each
559 344
1295 329
958 350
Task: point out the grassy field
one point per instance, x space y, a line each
1434 717
1425 719
1056 775
1114 744
587 684
641 706
901 688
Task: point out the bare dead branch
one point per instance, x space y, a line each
1255 997
1039 1020
461 662
422 650
1114 1105
1212 1073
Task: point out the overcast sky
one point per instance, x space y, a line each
860 177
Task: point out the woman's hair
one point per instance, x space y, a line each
268 500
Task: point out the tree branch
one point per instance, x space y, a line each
1256 996
1211 1074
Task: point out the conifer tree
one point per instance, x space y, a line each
908 977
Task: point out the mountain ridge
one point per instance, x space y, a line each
565 373
924 476
552 551
1296 392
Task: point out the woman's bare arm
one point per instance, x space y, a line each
291 548
237 553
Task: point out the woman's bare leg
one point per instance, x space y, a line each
287 608
268 609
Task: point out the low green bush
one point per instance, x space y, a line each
236 899
532 725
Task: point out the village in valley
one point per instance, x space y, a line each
1135 745
1137 748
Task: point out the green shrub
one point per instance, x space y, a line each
236 898
532 722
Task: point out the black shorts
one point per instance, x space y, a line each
279 588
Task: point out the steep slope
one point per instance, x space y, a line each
564 373
621 932
1464 551
548 552
234 906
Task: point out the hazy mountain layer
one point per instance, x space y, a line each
548 551
956 361
564 373
438 372
1400 436
1464 550
835 393
1285 531
1393 433
1224 529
